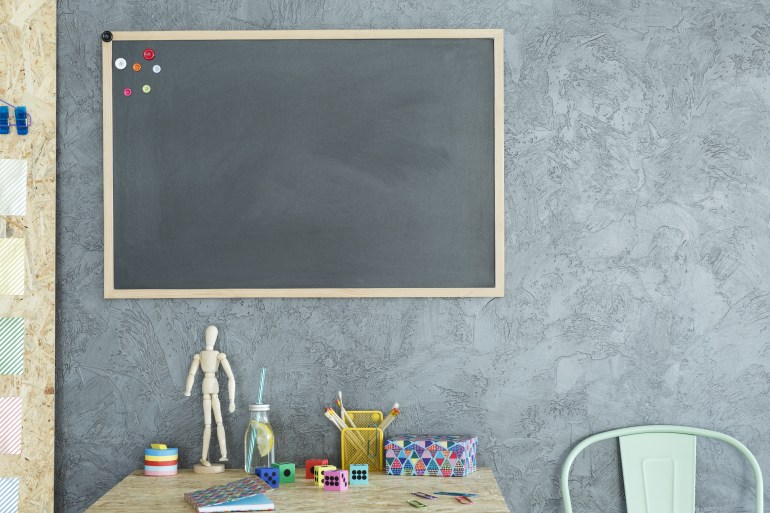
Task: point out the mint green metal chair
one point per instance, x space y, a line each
659 467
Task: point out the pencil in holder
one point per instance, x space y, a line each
362 446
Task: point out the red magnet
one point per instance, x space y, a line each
127 91
149 54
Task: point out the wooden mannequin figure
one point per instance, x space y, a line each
210 360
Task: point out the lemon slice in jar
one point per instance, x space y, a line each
264 438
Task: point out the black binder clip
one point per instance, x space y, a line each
22 123
5 123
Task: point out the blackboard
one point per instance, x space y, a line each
303 163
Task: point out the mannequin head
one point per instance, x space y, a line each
211 337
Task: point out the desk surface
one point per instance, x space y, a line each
137 493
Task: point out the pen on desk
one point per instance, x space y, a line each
390 418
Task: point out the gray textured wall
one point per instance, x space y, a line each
638 290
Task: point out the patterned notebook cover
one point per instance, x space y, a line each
227 492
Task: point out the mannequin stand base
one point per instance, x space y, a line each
215 468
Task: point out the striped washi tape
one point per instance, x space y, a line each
12 267
9 494
10 425
13 187
11 345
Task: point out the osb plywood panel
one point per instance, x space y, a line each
637 272
28 77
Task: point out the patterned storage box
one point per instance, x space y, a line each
431 455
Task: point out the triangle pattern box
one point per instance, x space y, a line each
431 455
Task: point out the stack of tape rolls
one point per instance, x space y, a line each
160 461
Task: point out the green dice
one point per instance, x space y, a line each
286 471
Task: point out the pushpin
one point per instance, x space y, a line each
136 66
146 88
22 123
5 122
149 54
127 91
156 69
120 63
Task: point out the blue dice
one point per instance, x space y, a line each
268 475
359 474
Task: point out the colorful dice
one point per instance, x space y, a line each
336 480
286 471
268 475
318 473
310 465
359 474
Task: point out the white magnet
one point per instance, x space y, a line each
120 63
156 69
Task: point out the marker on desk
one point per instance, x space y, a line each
390 418
456 494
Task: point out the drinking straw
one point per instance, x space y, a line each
261 386
252 441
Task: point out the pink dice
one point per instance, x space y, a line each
336 480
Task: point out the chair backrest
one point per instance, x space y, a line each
659 467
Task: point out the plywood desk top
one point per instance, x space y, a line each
137 493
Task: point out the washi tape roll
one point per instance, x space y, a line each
161 452
154 473
160 458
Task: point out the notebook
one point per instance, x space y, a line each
242 495
258 502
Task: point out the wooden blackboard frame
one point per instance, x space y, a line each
110 292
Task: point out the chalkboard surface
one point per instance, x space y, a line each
302 167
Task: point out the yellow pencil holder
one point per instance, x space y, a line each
363 444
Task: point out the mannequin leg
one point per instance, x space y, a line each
220 428
206 429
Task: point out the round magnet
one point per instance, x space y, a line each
156 69
149 54
146 88
127 91
136 66
120 63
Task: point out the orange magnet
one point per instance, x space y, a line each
136 66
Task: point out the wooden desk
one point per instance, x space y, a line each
137 493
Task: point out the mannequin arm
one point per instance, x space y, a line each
230 380
191 375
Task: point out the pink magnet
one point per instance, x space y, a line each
127 91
